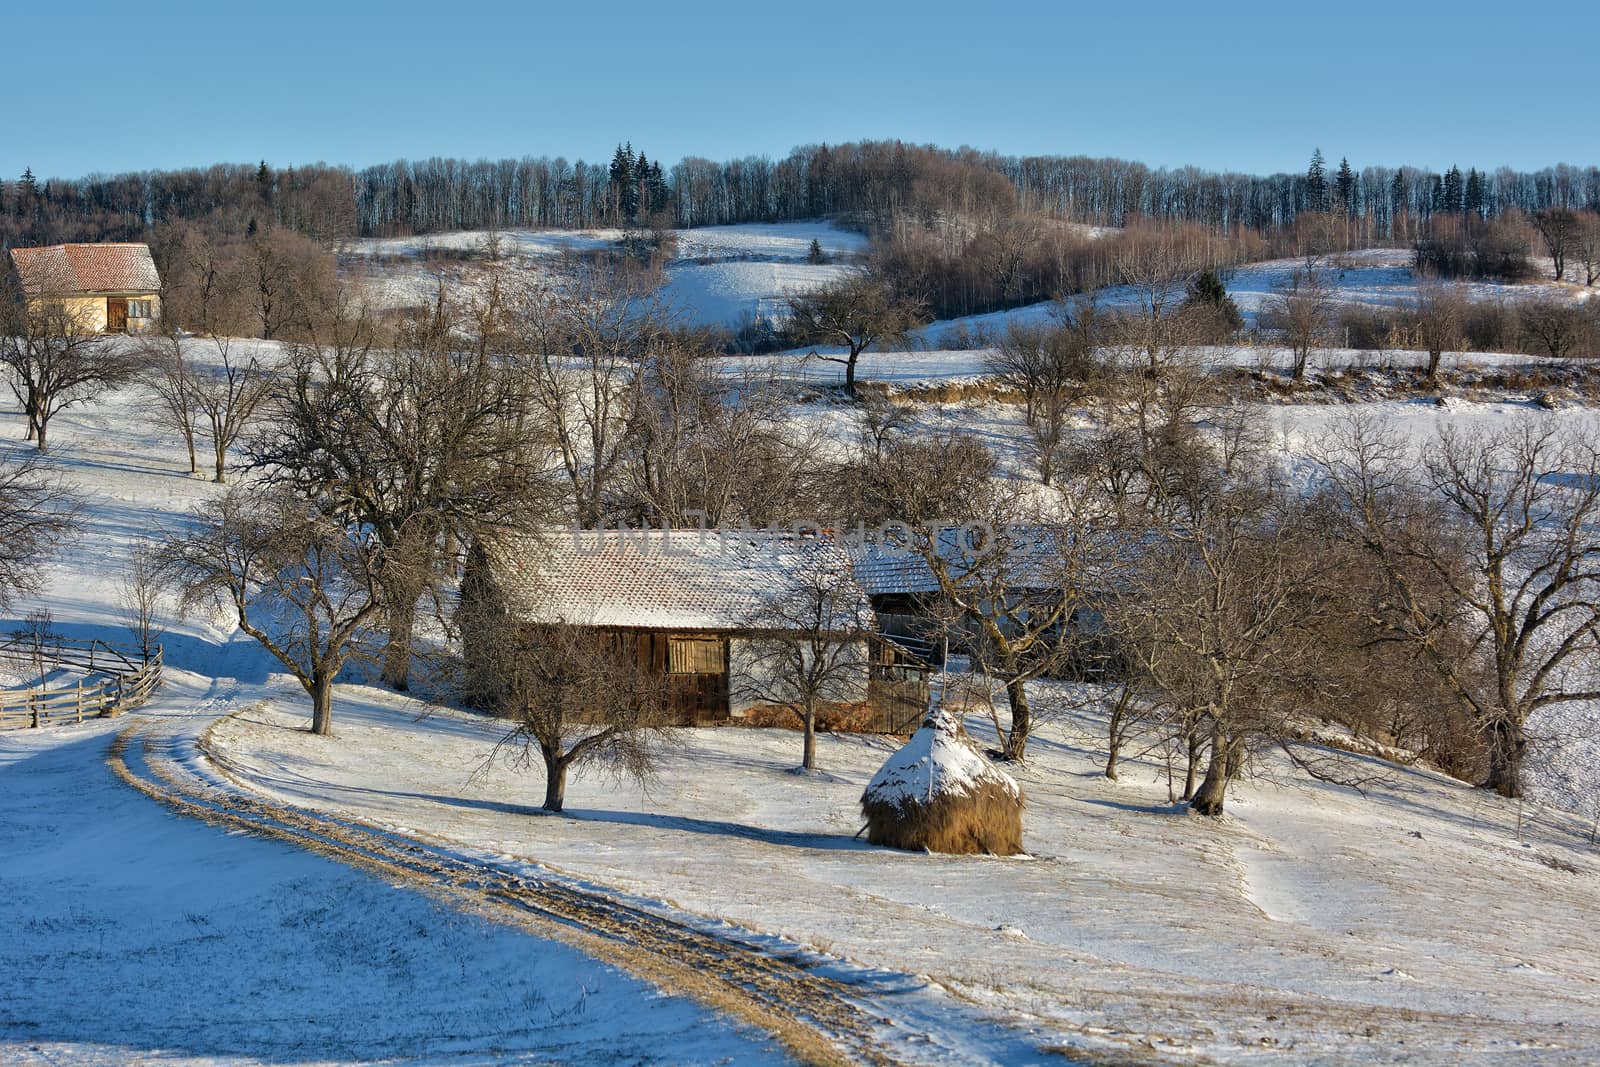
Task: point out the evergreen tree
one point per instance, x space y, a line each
28 186
1436 200
1317 183
624 194
1344 187
816 255
1453 191
1475 194
660 196
1207 293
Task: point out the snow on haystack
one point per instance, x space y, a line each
941 794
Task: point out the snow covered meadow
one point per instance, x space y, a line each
717 276
1415 920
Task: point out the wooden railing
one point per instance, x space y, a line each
119 679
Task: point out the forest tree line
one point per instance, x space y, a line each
879 184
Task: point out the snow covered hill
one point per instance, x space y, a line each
1420 922
719 275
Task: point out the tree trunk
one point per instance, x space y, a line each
1119 715
39 440
322 702
809 758
1209 798
400 621
221 455
194 459
555 782
1021 720
1506 748
1193 741
850 370
1433 365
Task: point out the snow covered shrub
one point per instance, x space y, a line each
939 793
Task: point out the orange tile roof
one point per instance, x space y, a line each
87 268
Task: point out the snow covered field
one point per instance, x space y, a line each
719 275
1424 922
1373 277
1416 924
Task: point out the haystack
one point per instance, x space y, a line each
940 793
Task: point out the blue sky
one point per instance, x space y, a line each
1238 86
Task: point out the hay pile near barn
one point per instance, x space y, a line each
941 794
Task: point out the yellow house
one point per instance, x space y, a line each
101 288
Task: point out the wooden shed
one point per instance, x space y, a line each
687 604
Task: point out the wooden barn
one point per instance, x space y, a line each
1028 567
99 288
689 604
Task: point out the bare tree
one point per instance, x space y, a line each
55 361
577 351
1561 229
1219 615
882 420
304 583
807 648
855 314
705 446
576 698
170 377
1494 534
140 593
36 512
422 442
1157 271
1301 311
1586 246
1554 324
228 394
1440 312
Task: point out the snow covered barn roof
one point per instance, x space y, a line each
884 567
660 579
87 268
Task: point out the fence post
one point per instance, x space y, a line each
33 706
80 698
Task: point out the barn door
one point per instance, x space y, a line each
116 314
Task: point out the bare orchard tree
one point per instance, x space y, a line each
1220 616
704 446
55 360
577 352
36 512
807 648
419 441
1011 581
1504 524
304 583
575 698
1441 312
140 593
228 394
854 314
170 378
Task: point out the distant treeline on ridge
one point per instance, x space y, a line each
876 184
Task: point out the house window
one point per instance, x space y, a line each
694 655
138 309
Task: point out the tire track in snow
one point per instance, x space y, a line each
823 1010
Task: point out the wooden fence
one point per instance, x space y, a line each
118 679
